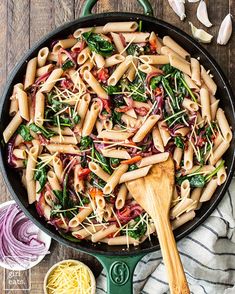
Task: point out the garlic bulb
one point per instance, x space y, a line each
200 34
202 14
225 30
178 7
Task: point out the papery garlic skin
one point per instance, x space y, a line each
179 7
225 30
200 35
202 14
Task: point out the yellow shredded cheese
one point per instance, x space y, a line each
69 278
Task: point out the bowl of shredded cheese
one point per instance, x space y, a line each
69 276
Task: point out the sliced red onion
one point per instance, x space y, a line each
18 237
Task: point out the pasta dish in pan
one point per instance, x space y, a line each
98 109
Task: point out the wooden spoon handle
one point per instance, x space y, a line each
176 276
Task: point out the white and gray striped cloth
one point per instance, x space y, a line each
208 256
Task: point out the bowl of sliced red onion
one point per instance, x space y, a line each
22 244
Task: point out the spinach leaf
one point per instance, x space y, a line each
114 161
68 64
98 44
24 131
168 69
116 117
59 195
85 143
138 87
209 130
62 120
76 119
197 181
132 167
112 89
40 175
179 142
41 130
134 50
139 231
154 82
103 162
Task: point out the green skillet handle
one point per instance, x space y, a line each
119 270
89 4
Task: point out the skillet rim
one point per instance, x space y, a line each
93 18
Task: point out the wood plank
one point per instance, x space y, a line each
231 51
18 31
63 11
3 38
41 19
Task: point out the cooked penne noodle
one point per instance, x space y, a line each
90 119
184 218
128 26
182 131
177 156
205 104
223 125
87 231
104 233
83 55
153 159
209 190
30 73
118 44
96 169
63 148
190 82
31 165
95 85
218 153
157 139
123 240
119 71
211 85
58 168
165 135
22 98
188 157
196 74
66 43
99 60
79 185
221 174
113 60
121 197
14 105
190 105
64 140
169 42
214 108
114 179
205 169
52 79
53 181
115 153
87 66
180 207
131 72
155 42
39 108
42 56
12 127
180 64
106 134
82 109
167 51
135 174
20 153
83 213
155 59
77 34
148 69
137 37
185 189
44 69
145 128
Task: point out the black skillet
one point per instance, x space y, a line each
118 261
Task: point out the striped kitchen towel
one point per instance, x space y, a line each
207 254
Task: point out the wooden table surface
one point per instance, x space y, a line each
23 22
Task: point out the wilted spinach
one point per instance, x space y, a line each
24 131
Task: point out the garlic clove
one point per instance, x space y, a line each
201 35
202 14
225 30
193 1
178 7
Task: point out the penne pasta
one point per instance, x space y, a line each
114 179
12 127
153 159
30 73
52 79
95 85
42 56
170 43
145 128
135 174
119 71
128 26
223 125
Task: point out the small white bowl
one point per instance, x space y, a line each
76 262
41 236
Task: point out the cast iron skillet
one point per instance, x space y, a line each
118 261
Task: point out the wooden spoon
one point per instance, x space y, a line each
154 192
